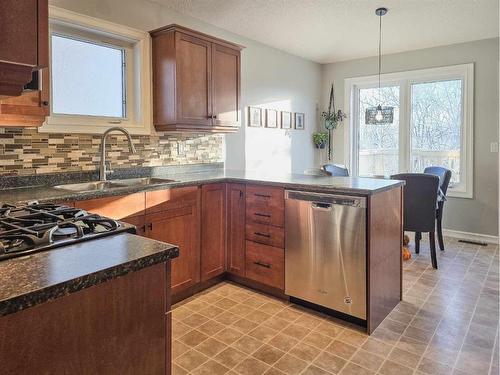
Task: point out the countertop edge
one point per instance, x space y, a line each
61 289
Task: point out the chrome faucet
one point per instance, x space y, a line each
102 165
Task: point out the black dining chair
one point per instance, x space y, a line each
444 180
419 207
336 170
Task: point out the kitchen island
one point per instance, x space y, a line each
99 306
231 225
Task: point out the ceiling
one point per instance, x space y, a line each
334 30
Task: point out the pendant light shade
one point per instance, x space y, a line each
379 114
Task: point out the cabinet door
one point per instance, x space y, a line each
235 229
179 226
226 86
213 240
193 80
119 207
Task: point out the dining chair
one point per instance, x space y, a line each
444 175
419 207
336 170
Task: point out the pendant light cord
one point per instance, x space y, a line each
379 54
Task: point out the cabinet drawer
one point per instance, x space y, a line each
265 234
265 205
265 264
263 214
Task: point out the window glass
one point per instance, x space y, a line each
378 153
87 78
436 117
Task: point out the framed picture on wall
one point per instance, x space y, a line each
299 120
286 120
254 117
271 118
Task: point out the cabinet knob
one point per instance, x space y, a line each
45 103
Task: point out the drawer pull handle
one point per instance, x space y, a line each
261 214
262 264
262 195
262 234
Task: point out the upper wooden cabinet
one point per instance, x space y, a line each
196 81
23 43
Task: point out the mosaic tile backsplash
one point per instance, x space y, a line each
28 152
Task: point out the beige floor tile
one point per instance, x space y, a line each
283 342
240 309
318 340
353 338
330 362
177 370
354 369
329 329
258 316
305 352
313 370
210 368
178 348
268 354
290 365
195 320
367 360
271 308
211 311
289 314
274 371
393 368
377 347
227 318
341 349
230 357
211 327
404 358
276 323
263 333
191 360
247 344
225 303
228 335
193 338
211 347
244 325
251 366
179 329
296 331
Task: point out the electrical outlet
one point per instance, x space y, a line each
494 147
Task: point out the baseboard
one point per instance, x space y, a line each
470 236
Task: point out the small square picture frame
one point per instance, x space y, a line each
271 118
254 117
286 120
300 120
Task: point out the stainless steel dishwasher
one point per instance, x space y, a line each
325 250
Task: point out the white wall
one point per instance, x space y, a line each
477 215
270 78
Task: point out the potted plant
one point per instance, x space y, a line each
333 119
320 139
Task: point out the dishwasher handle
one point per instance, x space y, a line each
321 206
321 199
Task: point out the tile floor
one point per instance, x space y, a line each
446 324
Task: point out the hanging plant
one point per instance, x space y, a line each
333 118
320 139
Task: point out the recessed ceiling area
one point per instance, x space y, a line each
326 31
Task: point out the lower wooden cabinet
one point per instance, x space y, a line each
178 223
213 230
235 229
265 264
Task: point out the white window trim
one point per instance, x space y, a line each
463 71
139 120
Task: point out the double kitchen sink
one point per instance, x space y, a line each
113 184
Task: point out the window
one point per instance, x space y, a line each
432 124
100 75
97 88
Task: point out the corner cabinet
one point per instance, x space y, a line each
196 82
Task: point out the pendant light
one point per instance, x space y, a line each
379 114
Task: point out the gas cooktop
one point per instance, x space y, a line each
38 227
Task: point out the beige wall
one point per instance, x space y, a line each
270 78
477 215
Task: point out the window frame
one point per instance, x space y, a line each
137 46
464 72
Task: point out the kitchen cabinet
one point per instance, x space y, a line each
196 81
235 229
24 45
121 326
173 216
213 230
265 264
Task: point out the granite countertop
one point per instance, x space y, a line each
41 277
326 184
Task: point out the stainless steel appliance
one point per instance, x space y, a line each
38 227
325 250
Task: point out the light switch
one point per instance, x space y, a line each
180 148
494 147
